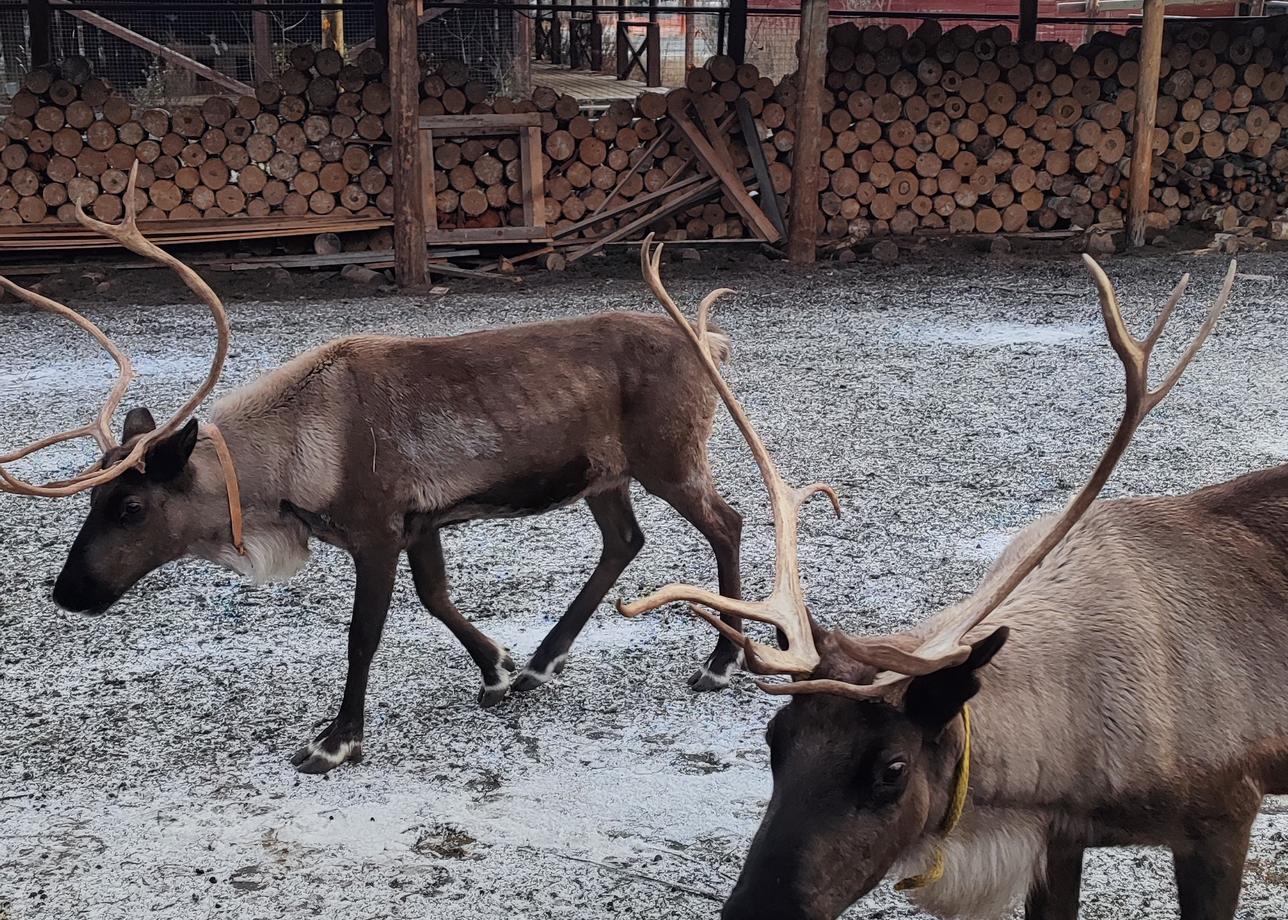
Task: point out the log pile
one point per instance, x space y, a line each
601 165
1221 150
310 142
970 131
957 131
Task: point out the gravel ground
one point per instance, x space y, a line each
143 754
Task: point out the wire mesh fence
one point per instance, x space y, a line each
119 41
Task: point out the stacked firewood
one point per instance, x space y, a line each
593 165
1221 150
311 141
971 131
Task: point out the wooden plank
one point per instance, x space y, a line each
490 235
666 210
410 267
534 189
625 206
768 197
806 216
723 170
428 195
452 125
1142 161
645 157
166 54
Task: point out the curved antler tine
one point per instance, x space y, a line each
890 654
1124 343
785 607
725 629
945 643
101 429
128 235
704 310
1156 331
805 493
1205 330
843 688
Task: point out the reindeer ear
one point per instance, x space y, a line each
167 459
137 421
936 699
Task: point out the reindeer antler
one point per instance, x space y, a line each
944 646
128 235
785 607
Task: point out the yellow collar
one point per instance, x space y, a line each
961 787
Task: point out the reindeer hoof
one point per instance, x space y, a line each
714 675
533 677
495 690
326 752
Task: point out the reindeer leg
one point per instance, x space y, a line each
342 739
622 542
429 572
1209 868
702 506
1055 896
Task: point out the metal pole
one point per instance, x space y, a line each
41 25
737 36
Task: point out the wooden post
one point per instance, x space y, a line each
41 32
689 36
523 51
1142 159
262 39
1028 20
410 262
333 27
737 47
812 71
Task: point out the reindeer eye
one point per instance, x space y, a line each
894 772
131 507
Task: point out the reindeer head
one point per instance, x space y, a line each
870 757
131 527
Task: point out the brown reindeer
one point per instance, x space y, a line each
374 444
1128 662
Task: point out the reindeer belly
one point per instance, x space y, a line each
529 493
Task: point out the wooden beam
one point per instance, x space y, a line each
410 266
262 39
39 21
161 51
737 40
806 217
1142 160
719 167
1028 20
750 137
666 209
521 67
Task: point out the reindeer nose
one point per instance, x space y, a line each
761 903
76 593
